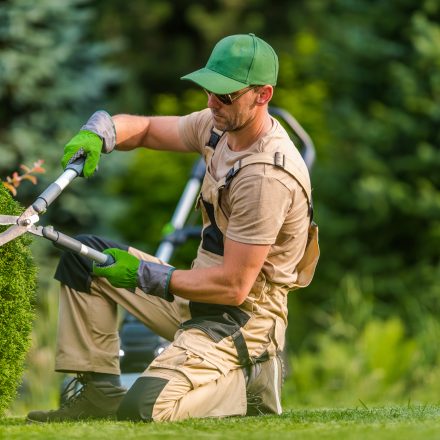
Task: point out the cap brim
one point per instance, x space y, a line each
214 82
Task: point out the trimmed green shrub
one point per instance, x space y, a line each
17 290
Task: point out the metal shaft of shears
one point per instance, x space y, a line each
63 241
41 203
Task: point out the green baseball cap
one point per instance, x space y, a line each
236 62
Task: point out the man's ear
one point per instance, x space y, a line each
264 94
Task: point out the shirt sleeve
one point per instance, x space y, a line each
195 129
259 206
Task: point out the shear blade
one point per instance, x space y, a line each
29 213
8 219
11 233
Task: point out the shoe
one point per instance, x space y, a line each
263 387
94 400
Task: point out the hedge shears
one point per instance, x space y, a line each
26 222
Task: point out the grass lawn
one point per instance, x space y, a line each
394 423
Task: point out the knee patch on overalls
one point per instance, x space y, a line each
139 401
75 270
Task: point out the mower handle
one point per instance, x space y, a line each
308 148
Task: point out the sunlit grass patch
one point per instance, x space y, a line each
410 422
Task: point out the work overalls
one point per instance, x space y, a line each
203 371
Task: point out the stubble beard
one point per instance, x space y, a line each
227 123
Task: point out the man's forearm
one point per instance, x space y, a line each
209 285
155 132
130 131
228 283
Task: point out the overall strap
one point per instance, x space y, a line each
278 160
214 138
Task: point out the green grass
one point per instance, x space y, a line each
393 423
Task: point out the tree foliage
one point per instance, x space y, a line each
378 196
51 79
17 292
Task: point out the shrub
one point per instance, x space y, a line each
373 364
17 290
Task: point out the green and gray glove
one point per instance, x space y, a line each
128 271
96 136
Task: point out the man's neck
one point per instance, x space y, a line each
245 137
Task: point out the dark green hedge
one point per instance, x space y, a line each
17 290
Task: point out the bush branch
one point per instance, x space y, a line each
12 182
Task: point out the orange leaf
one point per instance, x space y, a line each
15 179
10 188
37 167
33 179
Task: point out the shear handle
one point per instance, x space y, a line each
65 242
72 171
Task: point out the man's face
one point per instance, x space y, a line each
234 116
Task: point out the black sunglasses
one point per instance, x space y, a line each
229 98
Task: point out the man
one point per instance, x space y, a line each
227 315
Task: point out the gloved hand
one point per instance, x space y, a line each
128 271
123 272
96 136
91 144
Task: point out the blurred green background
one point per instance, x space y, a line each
361 76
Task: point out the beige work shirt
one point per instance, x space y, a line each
264 204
